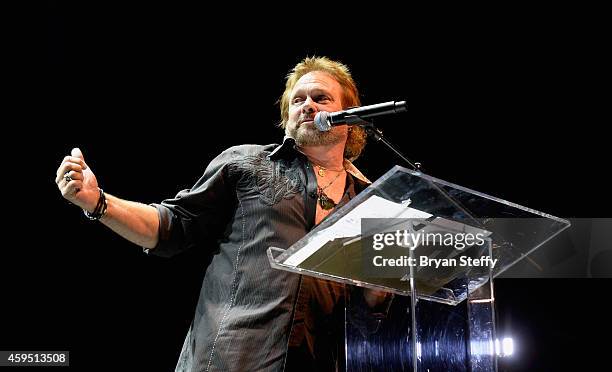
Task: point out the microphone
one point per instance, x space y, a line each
324 120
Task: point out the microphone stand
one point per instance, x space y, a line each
377 135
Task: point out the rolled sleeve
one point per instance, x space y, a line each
195 216
166 244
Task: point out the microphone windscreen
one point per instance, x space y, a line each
321 122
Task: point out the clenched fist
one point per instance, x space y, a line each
77 182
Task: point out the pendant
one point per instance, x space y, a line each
321 171
325 202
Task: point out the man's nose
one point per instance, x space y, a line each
309 106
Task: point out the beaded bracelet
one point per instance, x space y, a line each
100 209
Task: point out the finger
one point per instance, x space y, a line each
64 168
76 152
62 182
71 188
74 175
69 160
74 159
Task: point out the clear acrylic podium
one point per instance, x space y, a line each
433 318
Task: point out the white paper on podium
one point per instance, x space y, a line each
350 224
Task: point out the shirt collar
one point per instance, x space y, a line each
288 147
352 169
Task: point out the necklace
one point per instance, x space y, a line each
321 170
325 201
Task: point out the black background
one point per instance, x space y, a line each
508 103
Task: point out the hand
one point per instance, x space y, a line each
82 187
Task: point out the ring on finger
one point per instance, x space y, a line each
67 177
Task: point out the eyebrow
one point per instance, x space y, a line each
314 92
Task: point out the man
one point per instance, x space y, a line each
249 316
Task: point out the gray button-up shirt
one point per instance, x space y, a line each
250 197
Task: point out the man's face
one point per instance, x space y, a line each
316 91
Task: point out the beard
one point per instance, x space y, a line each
308 135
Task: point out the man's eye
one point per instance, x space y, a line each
297 100
322 98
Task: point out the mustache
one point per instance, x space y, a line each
306 118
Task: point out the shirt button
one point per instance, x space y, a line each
313 194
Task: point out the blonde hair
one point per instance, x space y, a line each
357 136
